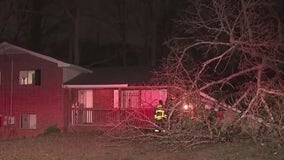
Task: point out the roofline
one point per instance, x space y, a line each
78 68
96 86
111 86
51 59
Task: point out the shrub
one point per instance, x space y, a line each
51 130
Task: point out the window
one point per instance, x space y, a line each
85 98
29 77
28 121
115 99
150 98
130 99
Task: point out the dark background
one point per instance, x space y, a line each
93 33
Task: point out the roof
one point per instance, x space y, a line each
7 48
114 76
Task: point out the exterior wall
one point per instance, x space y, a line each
103 98
44 100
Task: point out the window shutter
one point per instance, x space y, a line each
37 77
32 121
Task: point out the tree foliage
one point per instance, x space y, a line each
232 51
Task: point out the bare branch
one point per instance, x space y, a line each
232 51
254 68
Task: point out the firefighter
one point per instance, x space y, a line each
160 117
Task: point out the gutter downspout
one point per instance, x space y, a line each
11 87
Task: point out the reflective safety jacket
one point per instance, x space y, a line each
159 114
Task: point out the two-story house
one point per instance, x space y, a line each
31 91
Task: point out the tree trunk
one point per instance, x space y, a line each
36 34
122 29
76 37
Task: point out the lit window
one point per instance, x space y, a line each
130 99
28 121
115 99
29 77
85 100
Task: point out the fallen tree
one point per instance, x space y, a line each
232 51
227 59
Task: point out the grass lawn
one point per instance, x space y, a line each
91 146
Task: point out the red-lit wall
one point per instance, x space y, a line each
44 100
103 98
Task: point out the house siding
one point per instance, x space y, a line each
103 98
44 100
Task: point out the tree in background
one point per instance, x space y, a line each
233 51
91 33
42 26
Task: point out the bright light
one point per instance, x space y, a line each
187 106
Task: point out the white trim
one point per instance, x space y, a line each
96 86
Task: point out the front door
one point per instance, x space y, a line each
85 101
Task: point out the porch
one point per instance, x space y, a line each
142 117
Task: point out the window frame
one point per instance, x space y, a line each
130 99
33 77
30 123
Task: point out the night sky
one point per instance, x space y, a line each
103 33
